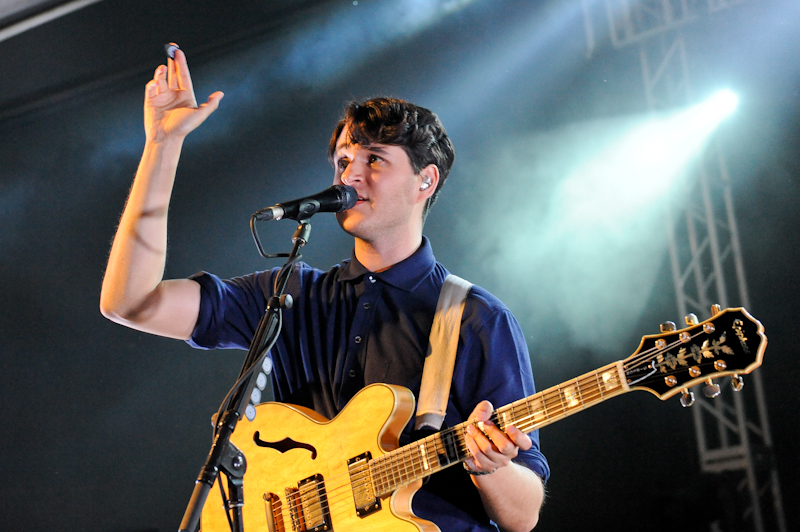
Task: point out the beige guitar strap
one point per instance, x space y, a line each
437 374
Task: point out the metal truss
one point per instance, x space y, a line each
733 435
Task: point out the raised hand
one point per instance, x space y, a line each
170 106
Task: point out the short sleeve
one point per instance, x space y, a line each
229 310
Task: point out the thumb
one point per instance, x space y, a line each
211 104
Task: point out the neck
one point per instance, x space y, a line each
380 256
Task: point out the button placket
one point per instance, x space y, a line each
362 321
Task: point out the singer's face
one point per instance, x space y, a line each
389 200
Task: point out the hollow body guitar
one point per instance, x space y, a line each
348 474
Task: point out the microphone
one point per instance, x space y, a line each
337 198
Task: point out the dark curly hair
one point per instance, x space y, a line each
399 123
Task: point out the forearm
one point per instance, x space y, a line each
512 497
138 254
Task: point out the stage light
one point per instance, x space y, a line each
588 211
722 103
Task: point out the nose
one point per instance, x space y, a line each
354 173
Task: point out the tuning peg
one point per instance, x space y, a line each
715 309
691 319
687 398
668 326
737 383
711 390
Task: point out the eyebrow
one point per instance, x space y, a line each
370 147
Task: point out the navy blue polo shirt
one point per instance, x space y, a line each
349 327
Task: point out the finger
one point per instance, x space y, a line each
211 104
160 72
202 112
151 89
499 439
159 80
520 439
184 78
482 443
172 74
477 461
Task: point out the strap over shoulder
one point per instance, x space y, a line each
437 374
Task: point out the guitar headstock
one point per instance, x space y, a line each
731 342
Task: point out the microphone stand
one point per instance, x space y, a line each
224 456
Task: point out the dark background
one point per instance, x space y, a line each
104 428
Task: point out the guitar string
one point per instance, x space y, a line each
657 351
526 423
586 397
384 462
333 494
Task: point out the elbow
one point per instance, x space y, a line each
110 309
115 308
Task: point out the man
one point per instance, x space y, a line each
366 320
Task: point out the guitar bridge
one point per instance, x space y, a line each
308 505
273 513
361 483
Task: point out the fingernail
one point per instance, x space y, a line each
170 49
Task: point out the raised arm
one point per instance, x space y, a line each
134 292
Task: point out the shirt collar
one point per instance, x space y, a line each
405 275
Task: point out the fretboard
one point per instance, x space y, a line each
448 447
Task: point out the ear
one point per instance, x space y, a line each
428 179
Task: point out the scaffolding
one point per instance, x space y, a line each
733 435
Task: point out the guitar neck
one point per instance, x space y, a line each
446 448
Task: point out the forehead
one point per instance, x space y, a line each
343 142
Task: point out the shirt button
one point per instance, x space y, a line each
352 373
371 279
367 305
358 339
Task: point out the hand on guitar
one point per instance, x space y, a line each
492 448
512 494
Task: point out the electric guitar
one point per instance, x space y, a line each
348 474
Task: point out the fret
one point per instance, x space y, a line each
377 479
381 473
580 392
406 459
400 465
571 394
443 449
396 477
561 398
610 380
599 385
423 454
541 415
595 394
544 405
435 455
531 415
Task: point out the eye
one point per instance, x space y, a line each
373 158
341 164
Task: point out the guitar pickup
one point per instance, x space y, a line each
308 505
361 483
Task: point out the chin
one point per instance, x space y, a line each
348 223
